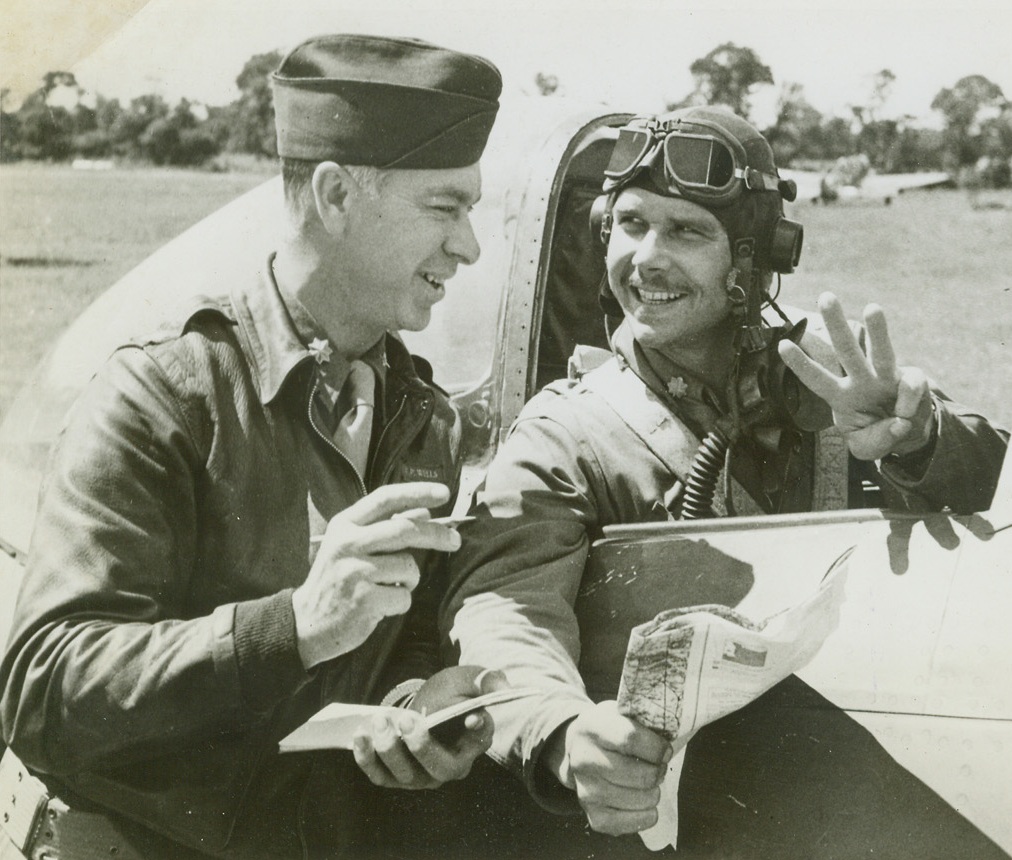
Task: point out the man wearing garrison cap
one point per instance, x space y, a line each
229 538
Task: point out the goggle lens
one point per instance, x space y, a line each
699 162
630 148
690 161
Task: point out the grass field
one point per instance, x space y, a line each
939 267
67 235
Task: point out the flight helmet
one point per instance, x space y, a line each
719 161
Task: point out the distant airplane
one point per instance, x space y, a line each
851 178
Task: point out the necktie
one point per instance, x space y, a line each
353 412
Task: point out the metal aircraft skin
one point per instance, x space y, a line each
923 653
852 178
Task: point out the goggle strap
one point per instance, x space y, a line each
756 180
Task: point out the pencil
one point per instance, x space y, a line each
449 522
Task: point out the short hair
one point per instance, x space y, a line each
297 178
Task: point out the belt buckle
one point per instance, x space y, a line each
23 800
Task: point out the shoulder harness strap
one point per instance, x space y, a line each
666 435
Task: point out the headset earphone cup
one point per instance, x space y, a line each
600 218
600 231
786 239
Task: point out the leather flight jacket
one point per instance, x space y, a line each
152 666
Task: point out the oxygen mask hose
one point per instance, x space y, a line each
701 484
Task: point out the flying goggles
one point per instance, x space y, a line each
699 166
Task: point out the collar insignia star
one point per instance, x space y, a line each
320 349
677 387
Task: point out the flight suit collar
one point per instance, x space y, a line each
700 409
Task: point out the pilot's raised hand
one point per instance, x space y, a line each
614 765
880 408
363 571
398 752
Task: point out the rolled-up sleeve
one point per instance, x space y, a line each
514 581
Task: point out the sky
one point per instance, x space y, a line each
632 54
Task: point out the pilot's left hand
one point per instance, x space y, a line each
398 752
880 408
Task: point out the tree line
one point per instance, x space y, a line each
974 143
59 122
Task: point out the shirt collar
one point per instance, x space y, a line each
277 329
661 373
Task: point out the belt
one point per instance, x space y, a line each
42 827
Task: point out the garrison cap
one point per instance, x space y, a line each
385 102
